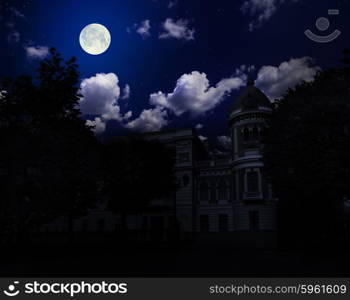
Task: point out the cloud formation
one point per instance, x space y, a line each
10 22
225 142
13 35
172 4
177 29
194 94
126 92
203 138
37 52
274 81
100 95
199 126
144 28
98 125
152 119
261 10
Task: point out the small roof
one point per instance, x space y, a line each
251 98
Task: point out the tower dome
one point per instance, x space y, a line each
251 98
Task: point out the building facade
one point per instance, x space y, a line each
218 196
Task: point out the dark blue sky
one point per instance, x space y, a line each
221 43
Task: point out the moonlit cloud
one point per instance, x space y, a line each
15 12
261 10
152 119
172 4
100 95
37 52
126 92
194 94
225 142
203 138
177 29
98 125
274 81
144 28
2 94
13 35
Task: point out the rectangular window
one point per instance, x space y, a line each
223 223
204 223
254 221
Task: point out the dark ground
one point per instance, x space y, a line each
160 261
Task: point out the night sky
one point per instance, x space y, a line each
174 64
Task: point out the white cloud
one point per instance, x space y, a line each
199 126
152 119
15 12
275 81
100 95
203 138
98 124
261 10
126 92
194 94
225 142
177 29
2 94
172 4
144 28
13 35
37 52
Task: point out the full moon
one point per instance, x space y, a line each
95 39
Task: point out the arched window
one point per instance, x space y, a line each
203 191
222 190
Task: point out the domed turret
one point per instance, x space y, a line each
251 98
254 206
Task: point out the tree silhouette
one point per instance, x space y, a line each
307 155
136 171
49 153
346 60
